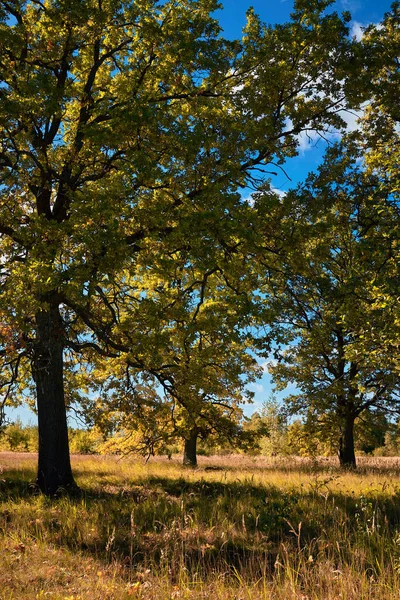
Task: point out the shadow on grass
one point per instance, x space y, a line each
17 483
173 523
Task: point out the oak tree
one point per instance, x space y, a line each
336 245
186 372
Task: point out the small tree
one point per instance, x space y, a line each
16 437
275 442
194 385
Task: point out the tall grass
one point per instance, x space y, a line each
235 528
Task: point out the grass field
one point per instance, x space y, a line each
236 528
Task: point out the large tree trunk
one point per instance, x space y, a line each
190 450
54 468
347 457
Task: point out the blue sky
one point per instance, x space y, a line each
232 18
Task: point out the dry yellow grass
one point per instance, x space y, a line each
235 528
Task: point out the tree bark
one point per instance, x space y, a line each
347 457
190 450
54 467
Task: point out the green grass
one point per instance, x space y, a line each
235 528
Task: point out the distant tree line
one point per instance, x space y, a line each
270 432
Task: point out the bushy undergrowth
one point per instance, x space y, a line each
282 440
234 528
17 437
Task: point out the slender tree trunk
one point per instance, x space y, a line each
347 457
190 451
54 468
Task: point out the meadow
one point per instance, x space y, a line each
235 528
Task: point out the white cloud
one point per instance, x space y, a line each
257 387
248 199
278 192
356 30
351 118
269 362
307 140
